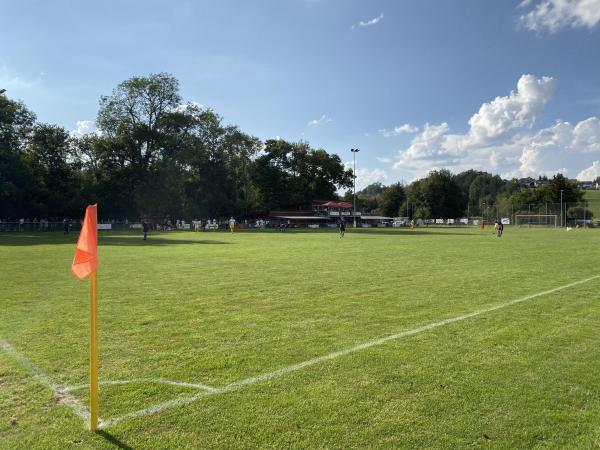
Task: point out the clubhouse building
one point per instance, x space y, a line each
326 213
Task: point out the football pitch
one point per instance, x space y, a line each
426 338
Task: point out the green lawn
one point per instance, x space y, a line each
216 309
593 197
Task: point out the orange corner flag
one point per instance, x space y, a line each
86 253
85 264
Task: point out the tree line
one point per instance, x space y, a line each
442 194
155 156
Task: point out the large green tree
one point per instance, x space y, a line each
56 171
294 174
437 194
16 180
391 200
484 188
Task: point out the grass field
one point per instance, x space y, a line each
593 197
235 315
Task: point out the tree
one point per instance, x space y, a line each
16 180
293 174
551 193
51 158
374 190
391 200
137 114
579 212
484 188
438 194
464 181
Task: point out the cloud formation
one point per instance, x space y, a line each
500 139
397 131
368 23
320 121
365 177
84 127
591 173
552 15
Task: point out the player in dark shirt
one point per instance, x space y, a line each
342 227
145 228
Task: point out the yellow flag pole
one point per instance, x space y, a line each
93 352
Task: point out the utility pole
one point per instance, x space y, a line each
561 208
354 152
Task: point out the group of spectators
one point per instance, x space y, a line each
166 224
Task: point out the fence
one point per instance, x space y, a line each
585 213
53 226
567 214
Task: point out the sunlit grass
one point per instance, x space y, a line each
215 308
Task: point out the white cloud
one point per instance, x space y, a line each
83 127
384 160
500 139
519 109
591 173
400 129
552 15
428 149
320 121
561 148
365 177
192 108
368 23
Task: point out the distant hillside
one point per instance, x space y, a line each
593 196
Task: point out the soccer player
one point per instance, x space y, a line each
342 227
500 228
231 224
145 228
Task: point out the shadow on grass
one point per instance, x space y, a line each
24 240
113 440
420 231
153 240
391 232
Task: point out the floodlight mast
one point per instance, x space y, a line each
561 208
354 152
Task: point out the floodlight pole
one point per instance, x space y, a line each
561 208
483 211
354 152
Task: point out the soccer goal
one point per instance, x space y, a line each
537 220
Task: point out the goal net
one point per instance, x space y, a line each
538 220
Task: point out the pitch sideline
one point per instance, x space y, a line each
62 393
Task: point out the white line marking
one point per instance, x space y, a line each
311 362
198 386
60 392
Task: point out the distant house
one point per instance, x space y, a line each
527 181
587 185
324 212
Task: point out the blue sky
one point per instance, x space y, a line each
511 87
